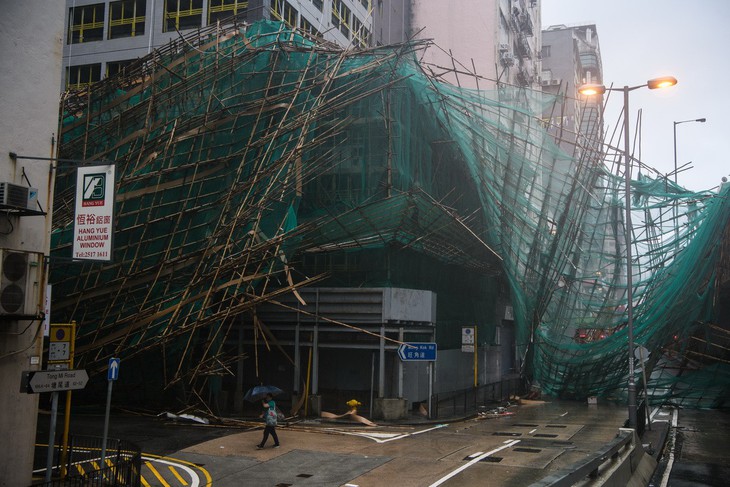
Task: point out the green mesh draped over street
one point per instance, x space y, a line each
254 160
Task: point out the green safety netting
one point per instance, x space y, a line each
242 151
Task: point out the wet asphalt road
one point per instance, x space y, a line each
698 454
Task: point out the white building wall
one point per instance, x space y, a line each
468 32
31 33
475 33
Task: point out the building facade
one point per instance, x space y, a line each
102 37
498 40
30 39
571 57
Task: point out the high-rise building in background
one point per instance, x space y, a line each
497 39
571 57
103 37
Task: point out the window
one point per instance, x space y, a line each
545 52
86 24
116 67
126 18
220 9
359 33
78 77
341 17
318 4
366 4
282 10
308 27
183 14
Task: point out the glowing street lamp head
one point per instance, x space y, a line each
663 82
591 89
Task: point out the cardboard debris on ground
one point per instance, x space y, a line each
348 415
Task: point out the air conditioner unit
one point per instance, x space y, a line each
503 47
18 197
555 82
545 82
14 269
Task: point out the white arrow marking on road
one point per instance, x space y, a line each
386 437
440 481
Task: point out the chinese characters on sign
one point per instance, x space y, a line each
417 351
94 217
467 338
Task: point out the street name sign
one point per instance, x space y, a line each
417 351
38 381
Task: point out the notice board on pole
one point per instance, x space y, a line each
94 213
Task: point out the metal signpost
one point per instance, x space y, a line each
37 381
469 344
111 376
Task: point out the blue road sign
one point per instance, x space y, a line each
417 351
113 372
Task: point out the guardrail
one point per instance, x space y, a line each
592 467
467 402
122 469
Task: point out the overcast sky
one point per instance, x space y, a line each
644 39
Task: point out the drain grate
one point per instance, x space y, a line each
562 443
556 426
527 450
505 433
526 425
304 475
491 459
283 485
544 435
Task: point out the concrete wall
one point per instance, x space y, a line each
468 31
31 33
391 21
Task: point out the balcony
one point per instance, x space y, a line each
589 60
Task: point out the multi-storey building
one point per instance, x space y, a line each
571 57
103 36
497 39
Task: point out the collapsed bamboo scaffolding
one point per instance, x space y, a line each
225 139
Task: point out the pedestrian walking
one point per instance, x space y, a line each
269 415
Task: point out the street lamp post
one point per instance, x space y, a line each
598 89
701 120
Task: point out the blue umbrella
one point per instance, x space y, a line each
257 393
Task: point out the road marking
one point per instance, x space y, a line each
183 465
670 463
532 431
156 474
507 444
386 437
177 475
